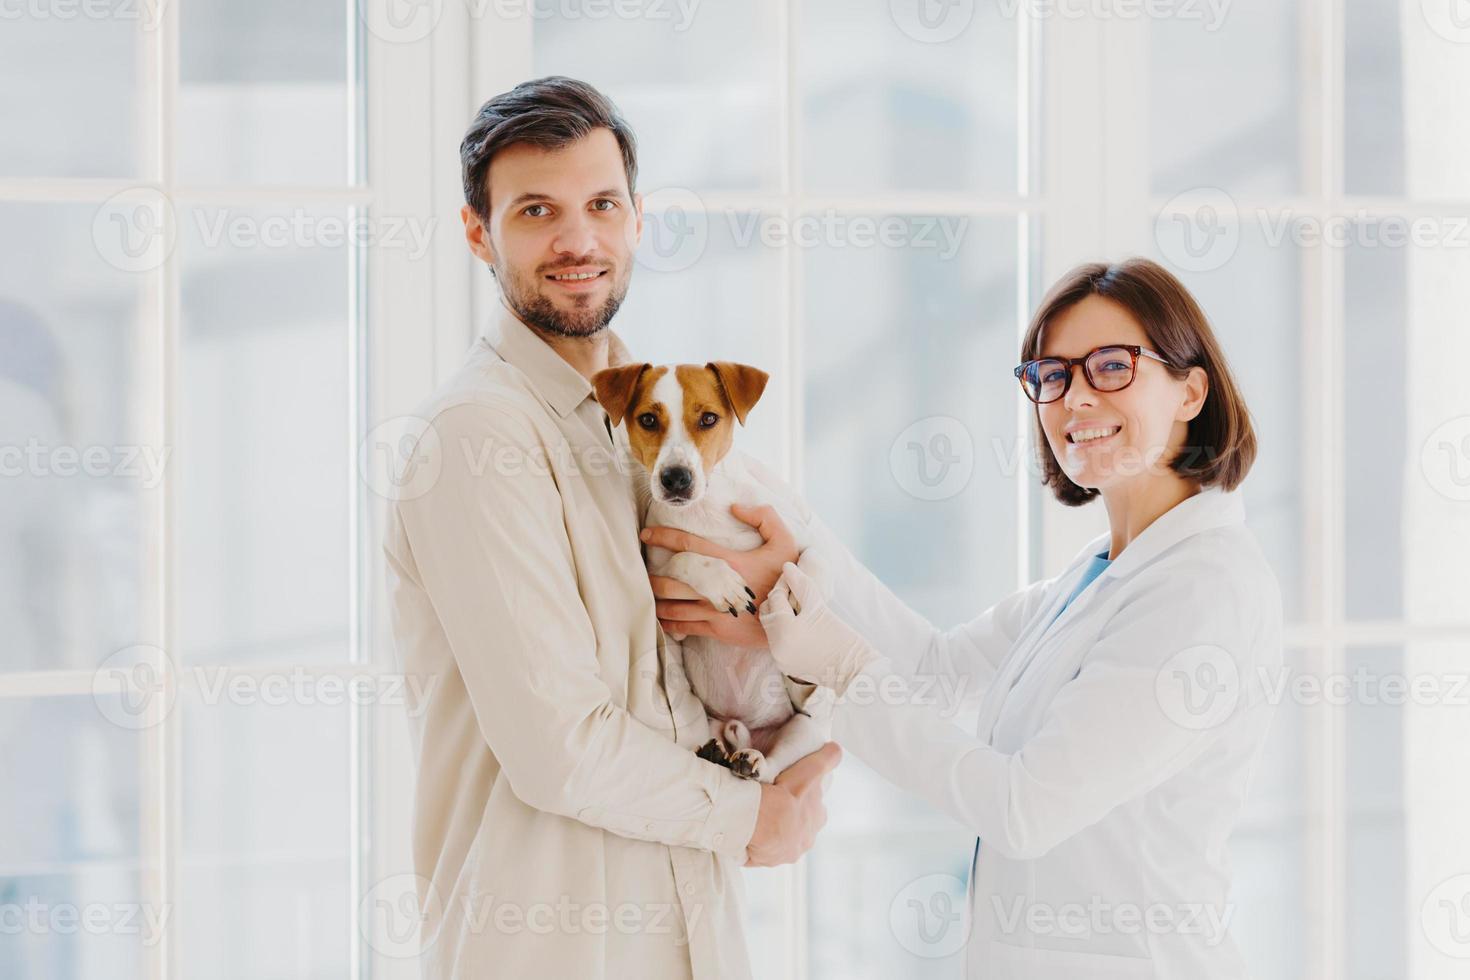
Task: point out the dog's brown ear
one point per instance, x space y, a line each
742 383
615 387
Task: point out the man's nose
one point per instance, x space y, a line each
575 235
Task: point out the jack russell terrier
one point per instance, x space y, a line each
680 421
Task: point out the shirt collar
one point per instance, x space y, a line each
553 378
1212 507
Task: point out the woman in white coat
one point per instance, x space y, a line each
1121 703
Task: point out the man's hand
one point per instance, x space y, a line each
791 810
760 567
682 610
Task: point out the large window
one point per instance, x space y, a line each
231 257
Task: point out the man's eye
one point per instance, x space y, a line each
708 419
536 211
597 205
648 420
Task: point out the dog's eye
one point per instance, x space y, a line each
708 419
648 420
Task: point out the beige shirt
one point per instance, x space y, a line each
563 825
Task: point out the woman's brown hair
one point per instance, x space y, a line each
1221 444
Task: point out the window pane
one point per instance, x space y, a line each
266 848
75 473
264 436
708 288
81 79
911 452
1268 895
69 837
894 100
1406 73
1223 102
264 92
1407 451
1251 295
699 84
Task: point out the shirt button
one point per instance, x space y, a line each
689 888
719 839
648 827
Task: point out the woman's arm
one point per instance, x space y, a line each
1110 734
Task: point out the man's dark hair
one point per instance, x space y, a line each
551 113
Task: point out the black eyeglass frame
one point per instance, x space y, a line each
1134 352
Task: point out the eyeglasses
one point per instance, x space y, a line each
1108 368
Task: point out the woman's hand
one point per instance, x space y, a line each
807 639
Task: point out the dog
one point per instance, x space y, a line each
680 421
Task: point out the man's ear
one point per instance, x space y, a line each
742 384
615 387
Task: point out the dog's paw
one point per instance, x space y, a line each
751 764
723 587
713 751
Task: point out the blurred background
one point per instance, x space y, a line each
230 256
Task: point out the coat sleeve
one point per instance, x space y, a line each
959 662
491 545
1120 727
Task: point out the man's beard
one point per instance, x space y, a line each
537 311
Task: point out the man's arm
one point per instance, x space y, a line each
496 562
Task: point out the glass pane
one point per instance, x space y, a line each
264 429
1268 895
69 839
1223 105
911 454
75 475
1248 286
1377 905
1407 452
699 84
82 82
708 287
1405 73
266 849
264 95
894 97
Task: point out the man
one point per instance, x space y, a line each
563 825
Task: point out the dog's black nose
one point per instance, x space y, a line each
676 479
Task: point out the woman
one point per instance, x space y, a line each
1121 709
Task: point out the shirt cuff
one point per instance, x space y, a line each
731 822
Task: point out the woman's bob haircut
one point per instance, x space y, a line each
1221 444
